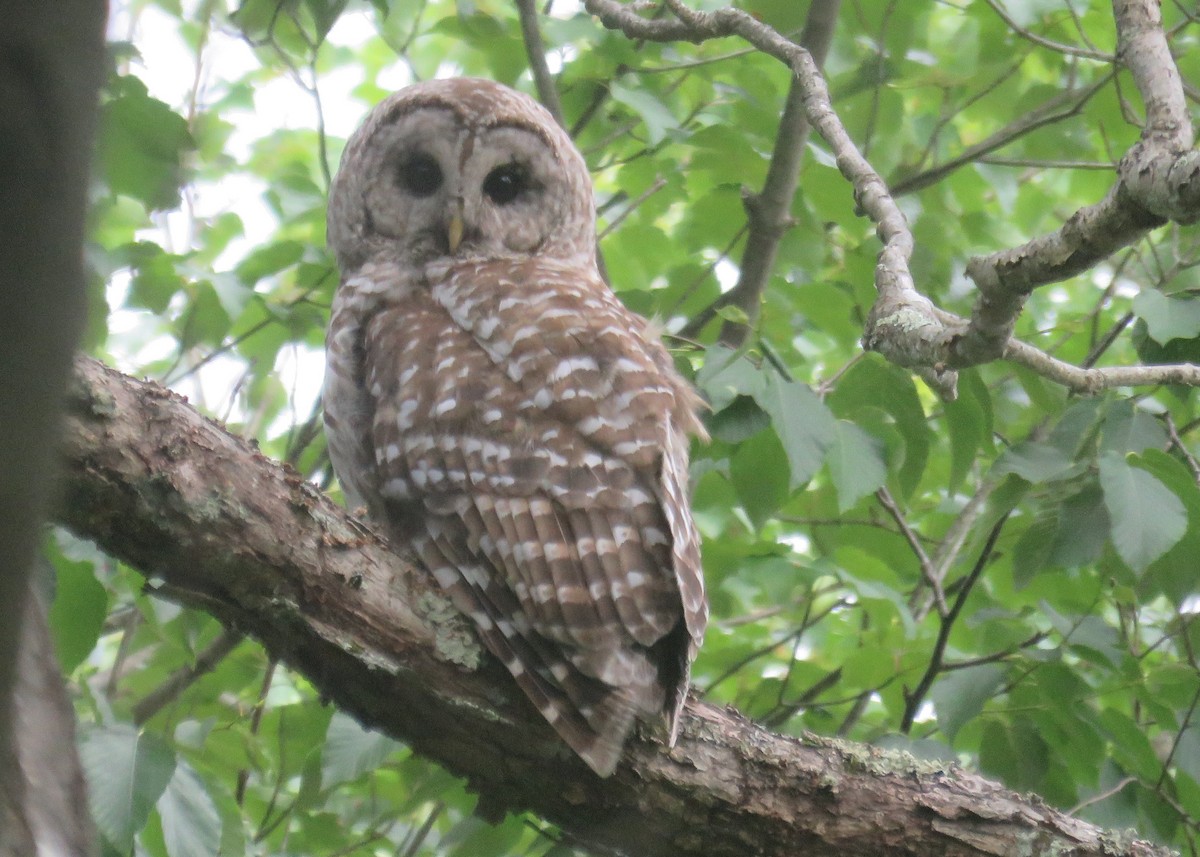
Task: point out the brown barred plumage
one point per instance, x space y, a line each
491 401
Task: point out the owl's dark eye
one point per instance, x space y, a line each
420 175
504 184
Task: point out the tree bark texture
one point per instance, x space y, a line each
225 529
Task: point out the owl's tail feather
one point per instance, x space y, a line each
593 717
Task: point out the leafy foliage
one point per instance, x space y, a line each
1008 579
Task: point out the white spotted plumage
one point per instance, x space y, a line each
498 409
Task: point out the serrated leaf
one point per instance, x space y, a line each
734 314
127 771
960 695
969 424
269 259
804 425
350 750
156 278
727 374
742 419
855 463
1083 528
1130 429
1033 549
191 824
873 385
325 14
758 470
1147 517
655 115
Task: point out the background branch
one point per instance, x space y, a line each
1156 185
535 51
769 211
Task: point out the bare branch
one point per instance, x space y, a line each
1061 106
1041 41
769 211
536 52
1161 171
914 698
1005 279
914 542
182 679
1159 181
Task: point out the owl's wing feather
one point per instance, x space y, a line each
592 719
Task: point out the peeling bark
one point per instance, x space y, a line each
248 540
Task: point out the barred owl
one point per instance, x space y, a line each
492 404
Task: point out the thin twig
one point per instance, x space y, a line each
913 700
185 677
1042 41
884 496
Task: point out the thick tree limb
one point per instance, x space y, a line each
1155 184
252 543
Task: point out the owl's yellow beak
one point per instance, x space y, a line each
454 231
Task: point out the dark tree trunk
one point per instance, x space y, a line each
51 56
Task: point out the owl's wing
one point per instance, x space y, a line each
560 333
534 441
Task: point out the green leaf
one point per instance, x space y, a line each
190 822
727 374
960 695
78 611
351 751
872 385
1130 744
127 772
142 143
656 116
759 471
1014 751
969 424
325 14
855 464
269 259
1034 462
1034 549
1167 318
804 425
1174 574
742 419
1147 517
156 278
1083 528
1130 429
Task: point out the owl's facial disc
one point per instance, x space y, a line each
446 188
439 172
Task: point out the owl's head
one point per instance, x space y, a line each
462 168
